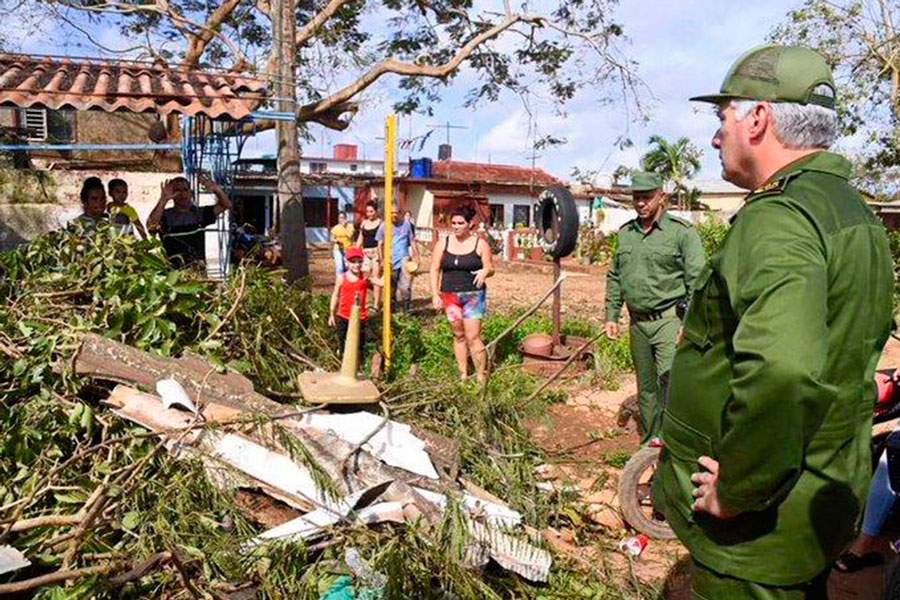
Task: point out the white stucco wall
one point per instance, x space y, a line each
614 218
508 202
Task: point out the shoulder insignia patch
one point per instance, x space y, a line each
770 189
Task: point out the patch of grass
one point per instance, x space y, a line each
616 458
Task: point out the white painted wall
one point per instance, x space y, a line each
614 218
508 202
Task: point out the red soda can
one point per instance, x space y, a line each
634 546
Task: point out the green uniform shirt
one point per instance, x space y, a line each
774 378
653 271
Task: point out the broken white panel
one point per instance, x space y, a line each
271 468
393 444
381 512
315 522
12 560
305 527
173 394
274 469
513 554
494 514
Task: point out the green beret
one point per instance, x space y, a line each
645 182
777 74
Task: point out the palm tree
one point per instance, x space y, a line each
620 173
677 162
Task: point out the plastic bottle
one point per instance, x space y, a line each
364 572
634 546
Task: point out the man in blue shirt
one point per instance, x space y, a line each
403 245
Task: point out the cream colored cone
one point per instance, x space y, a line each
350 362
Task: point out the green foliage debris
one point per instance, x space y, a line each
61 446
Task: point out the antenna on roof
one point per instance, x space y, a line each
448 127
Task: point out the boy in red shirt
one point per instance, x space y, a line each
346 287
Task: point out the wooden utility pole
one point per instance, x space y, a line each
290 196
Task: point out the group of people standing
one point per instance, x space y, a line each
765 428
180 227
370 238
460 264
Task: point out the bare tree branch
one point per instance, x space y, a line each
198 43
391 65
161 7
313 26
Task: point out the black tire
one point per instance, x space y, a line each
634 496
892 581
557 222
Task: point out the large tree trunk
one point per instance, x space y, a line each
290 196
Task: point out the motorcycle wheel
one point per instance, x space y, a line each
634 496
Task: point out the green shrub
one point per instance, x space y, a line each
595 247
712 234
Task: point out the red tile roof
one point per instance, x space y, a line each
484 173
86 84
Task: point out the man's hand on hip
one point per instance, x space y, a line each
612 330
707 490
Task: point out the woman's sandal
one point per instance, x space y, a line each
849 562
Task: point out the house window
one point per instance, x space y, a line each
318 167
315 212
496 215
41 124
354 167
522 215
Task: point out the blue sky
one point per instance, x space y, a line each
683 47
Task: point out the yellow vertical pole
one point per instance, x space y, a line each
389 150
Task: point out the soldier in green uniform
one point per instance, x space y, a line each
655 266
766 462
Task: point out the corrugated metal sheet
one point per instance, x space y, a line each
484 173
87 84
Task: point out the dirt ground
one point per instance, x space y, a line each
587 437
514 285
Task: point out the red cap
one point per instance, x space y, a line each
353 252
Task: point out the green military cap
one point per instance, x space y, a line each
645 182
777 74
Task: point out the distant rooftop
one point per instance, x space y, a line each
121 85
455 170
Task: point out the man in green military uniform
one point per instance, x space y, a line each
766 462
655 266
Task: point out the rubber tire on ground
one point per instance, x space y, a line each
892 581
629 502
557 202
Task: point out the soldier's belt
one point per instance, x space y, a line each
666 313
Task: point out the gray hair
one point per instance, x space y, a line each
798 126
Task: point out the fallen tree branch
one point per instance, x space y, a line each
140 570
90 511
47 521
488 348
10 351
58 577
358 447
184 577
234 307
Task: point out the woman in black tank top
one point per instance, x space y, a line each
459 268
368 229
368 237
